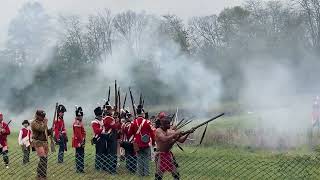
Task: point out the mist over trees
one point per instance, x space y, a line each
48 56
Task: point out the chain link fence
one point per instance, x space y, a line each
190 166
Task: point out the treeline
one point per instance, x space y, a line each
47 56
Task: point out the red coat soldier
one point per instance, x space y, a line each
79 139
130 154
25 140
98 138
143 134
60 132
4 132
111 134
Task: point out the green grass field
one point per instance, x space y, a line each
215 162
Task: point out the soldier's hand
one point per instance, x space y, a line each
177 134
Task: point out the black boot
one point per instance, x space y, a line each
5 158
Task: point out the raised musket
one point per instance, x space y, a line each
132 102
202 124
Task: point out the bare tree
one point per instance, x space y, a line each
311 9
205 32
98 36
130 28
173 27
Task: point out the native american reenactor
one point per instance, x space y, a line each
4 132
111 134
165 139
40 133
79 140
24 140
98 139
142 132
60 132
126 144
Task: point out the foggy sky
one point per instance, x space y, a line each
182 8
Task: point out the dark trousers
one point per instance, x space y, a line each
26 154
62 146
5 156
131 163
111 153
143 161
80 159
42 167
100 159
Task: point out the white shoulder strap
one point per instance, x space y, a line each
139 129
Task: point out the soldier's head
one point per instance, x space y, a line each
61 110
40 114
161 115
107 109
98 112
165 122
25 123
79 113
1 117
140 111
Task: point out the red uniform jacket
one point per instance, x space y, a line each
125 131
97 127
145 129
24 136
79 134
110 124
59 126
3 135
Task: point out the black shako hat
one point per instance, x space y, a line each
140 110
61 108
79 111
98 111
107 106
25 122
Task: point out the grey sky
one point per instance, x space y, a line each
182 8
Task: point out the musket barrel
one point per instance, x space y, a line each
206 122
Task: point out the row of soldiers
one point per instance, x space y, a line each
112 129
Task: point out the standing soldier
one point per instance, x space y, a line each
25 140
130 154
98 139
142 132
40 135
4 132
165 139
79 139
111 134
60 133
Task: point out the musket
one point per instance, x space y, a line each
55 118
140 99
109 95
124 101
7 125
132 102
184 124
115 95
119 101
202 124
